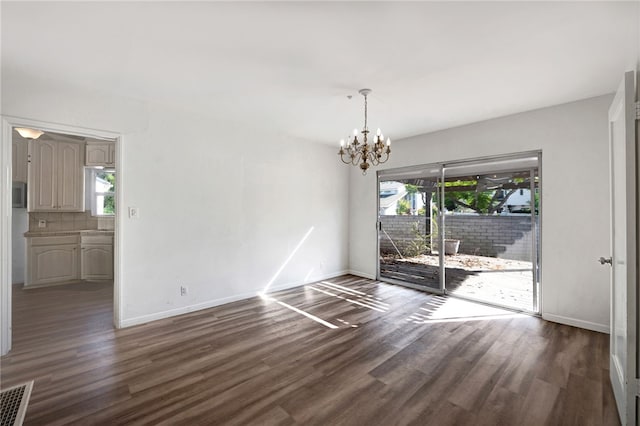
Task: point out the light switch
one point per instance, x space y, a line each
134 213
42 223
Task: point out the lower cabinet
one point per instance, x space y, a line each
52 259
97 262
61 259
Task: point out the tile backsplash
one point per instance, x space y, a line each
68 221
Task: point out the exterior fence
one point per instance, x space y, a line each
506 237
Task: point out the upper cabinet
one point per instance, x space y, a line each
19 160
101 153
56 176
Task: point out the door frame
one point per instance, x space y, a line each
536 245
8 123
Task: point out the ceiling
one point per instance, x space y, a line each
289 67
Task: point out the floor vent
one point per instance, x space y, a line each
13 404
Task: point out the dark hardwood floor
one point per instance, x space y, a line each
385 355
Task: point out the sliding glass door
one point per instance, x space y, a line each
469 229
408 226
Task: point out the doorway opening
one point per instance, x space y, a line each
63 244
466 228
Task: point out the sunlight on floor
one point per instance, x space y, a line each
447 309
364 299
438 309
300 311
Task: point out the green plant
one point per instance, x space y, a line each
420 243
404 207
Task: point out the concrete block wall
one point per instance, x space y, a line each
399 229
506 237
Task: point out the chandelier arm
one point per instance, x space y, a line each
385 159
357 158
342 158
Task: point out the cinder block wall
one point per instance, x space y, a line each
400 230
506 237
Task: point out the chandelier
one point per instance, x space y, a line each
365 154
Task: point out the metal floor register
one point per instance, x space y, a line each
13 404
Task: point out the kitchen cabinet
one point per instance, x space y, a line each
52 260
60 259
96 258
101 153
55 176
19 149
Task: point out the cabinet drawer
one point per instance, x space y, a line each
58 240
96 239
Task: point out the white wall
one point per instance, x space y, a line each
574 143
222 206
19 225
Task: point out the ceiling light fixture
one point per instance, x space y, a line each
29 133
365 154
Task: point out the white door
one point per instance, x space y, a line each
623 349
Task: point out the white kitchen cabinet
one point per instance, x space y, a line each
55 176
96 258
19 150
52 260
101 153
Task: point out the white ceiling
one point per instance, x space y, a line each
290 66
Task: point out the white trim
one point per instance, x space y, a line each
217 302
588 325
5 239
118 240
8 122
362 274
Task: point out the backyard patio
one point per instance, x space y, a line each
498 281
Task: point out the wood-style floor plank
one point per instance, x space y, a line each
396 357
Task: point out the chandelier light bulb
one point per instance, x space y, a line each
355 132
378 132
388 141
342 143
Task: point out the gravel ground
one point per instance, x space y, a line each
468 262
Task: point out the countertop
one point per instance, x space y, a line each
84 232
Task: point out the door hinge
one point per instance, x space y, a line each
637 382
637 104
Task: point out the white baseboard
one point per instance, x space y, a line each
602 328
362 274
217 302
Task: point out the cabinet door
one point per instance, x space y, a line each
56 263
42 179
98 154
70 175
97 262
19 160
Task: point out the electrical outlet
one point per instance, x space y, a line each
42 223
183 290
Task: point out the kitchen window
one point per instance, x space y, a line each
102 192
